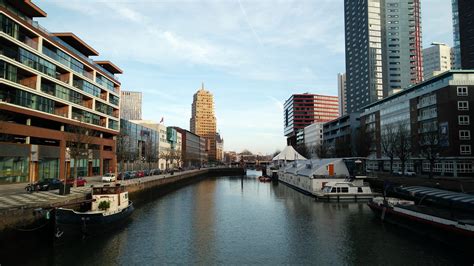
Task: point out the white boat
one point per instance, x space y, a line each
310 176
346 190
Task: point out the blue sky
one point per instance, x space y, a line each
252 55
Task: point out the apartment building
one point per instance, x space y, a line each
439 108
50 88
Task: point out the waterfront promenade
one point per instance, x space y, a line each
19 208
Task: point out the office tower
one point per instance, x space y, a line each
463 32
52 97
341 91
203 120
131 105
436 60
301 110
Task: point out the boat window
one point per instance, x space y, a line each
344 189
338 190
333 190
359 189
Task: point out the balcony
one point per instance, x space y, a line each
18 75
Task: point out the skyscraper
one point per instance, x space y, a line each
341 91
402 44
463 30
203 120
436 60
383 49
364 69
131 105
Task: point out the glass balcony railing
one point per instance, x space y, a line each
72 49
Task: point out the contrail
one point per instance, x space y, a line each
248 23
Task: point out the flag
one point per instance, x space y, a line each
162 120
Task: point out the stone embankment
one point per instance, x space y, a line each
26 211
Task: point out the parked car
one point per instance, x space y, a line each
156 172
147 172
48 184
133 174
124 175
140 174
109 177
81 181
406 173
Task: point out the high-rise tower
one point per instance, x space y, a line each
463 29
203 120
403 65
364 70
383 49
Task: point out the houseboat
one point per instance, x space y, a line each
109 207
428 214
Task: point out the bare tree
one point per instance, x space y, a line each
387 141
363 141
150 151
321 150
167 155
275 153
403 145
342 147
78 138
246 152
122 148
429 146
178 157
303 150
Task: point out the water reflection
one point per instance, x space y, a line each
231 220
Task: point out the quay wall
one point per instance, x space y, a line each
31 216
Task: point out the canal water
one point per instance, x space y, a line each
234 220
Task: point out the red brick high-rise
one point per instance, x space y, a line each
301 110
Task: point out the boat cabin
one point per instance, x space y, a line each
116 196
347 187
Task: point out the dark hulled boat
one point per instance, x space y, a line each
110 207
452 226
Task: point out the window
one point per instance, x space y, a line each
464 134
462 91
463 119
463 105
465 149
344 189
464 167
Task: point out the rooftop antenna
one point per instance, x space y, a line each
202 85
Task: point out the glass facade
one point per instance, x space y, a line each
64 59
104 108
14 169
113 124
85 116
86 86
48 168
105 82
63 93
113 99
82 165
34 61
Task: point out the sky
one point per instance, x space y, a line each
252 55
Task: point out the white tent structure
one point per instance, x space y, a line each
288 154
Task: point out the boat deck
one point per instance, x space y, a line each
455 215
